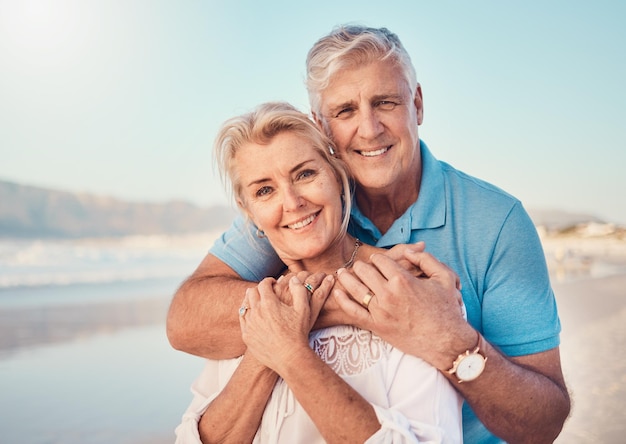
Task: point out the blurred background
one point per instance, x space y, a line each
108 196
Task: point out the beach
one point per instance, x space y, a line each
102 371
593 316
588 276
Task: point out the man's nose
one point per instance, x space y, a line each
369 123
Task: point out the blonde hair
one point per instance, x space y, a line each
261 126
349 46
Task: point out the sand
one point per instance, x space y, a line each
593 316
29 327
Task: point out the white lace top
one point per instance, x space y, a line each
413 401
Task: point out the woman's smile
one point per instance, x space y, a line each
304 222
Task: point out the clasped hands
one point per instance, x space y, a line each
415 297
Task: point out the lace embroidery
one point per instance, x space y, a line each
348 350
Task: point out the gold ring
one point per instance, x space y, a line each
308 287
242 310
367 299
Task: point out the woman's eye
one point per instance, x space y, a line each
263 191
306 174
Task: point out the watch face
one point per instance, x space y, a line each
470 367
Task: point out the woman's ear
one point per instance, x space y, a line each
244 210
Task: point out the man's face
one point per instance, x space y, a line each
372 116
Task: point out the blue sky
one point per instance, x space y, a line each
123 98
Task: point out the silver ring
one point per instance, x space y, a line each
308 287
242 310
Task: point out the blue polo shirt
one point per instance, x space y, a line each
478 230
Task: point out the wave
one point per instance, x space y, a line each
27 263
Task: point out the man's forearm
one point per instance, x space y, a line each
202 319
522 400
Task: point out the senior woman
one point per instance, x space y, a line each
294 385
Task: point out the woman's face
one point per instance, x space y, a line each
291 193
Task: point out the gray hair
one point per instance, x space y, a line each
348 46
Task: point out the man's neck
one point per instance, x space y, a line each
384 207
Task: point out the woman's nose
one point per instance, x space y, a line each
292 199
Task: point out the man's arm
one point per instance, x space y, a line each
203 316
521 399
202 319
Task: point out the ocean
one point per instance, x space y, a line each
84 357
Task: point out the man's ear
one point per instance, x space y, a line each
419 104
321 124
317 120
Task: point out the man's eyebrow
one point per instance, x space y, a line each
336 108
395 97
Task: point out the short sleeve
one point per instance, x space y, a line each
251 257
519 309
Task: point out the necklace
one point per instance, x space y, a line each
357 244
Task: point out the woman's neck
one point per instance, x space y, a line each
341 254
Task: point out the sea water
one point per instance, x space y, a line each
84 357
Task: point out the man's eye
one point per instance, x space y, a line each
344 113
263 191
386 105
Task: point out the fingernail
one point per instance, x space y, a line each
294 280
340 270
329 278
280 278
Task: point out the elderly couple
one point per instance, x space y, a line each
369 292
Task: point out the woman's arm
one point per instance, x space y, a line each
227 418
276 333
217 413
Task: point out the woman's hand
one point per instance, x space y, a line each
278 319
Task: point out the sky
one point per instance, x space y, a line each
123 98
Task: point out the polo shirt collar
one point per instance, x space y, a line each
429 211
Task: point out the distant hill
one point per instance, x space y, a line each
559 220
33 212
28 212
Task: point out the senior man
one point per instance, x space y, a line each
505 358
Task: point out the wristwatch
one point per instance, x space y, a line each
469 365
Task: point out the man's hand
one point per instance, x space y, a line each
421 316
397 253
